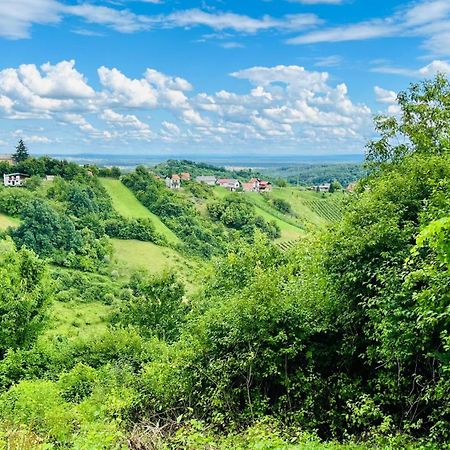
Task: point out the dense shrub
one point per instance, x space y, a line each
234 212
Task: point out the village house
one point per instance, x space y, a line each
229 183
248 187
351 187
185 176
206 179
264 186
257 185
14 179
325 187
49 177
173 182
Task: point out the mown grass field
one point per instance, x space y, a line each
74 319
8 221
131 255
126 204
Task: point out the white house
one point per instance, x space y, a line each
229 183
325 187
174 182
14 179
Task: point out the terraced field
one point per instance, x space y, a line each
126 204
329 210
311 207
287 245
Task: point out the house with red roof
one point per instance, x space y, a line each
173 182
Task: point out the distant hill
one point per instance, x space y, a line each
172 166
313 174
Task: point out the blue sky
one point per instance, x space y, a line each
250 77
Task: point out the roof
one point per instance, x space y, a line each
16 174
175 177
264 183
206 177
248 185
227 181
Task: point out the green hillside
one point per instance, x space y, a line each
7 221
131 255
312 207
290 231
126 204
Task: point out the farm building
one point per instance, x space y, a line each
229 183
206 179
14 179
257 185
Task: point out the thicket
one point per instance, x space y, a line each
236 213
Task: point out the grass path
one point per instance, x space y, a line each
126 204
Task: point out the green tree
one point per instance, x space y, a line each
156 305
46 231
21 153
282 205
335 186
24 295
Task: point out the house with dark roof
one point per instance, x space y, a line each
14 179
210 180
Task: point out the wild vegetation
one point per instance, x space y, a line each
314 174
337 341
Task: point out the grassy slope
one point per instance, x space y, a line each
74 319
7 221
126 204
289 232
300 200
131 255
